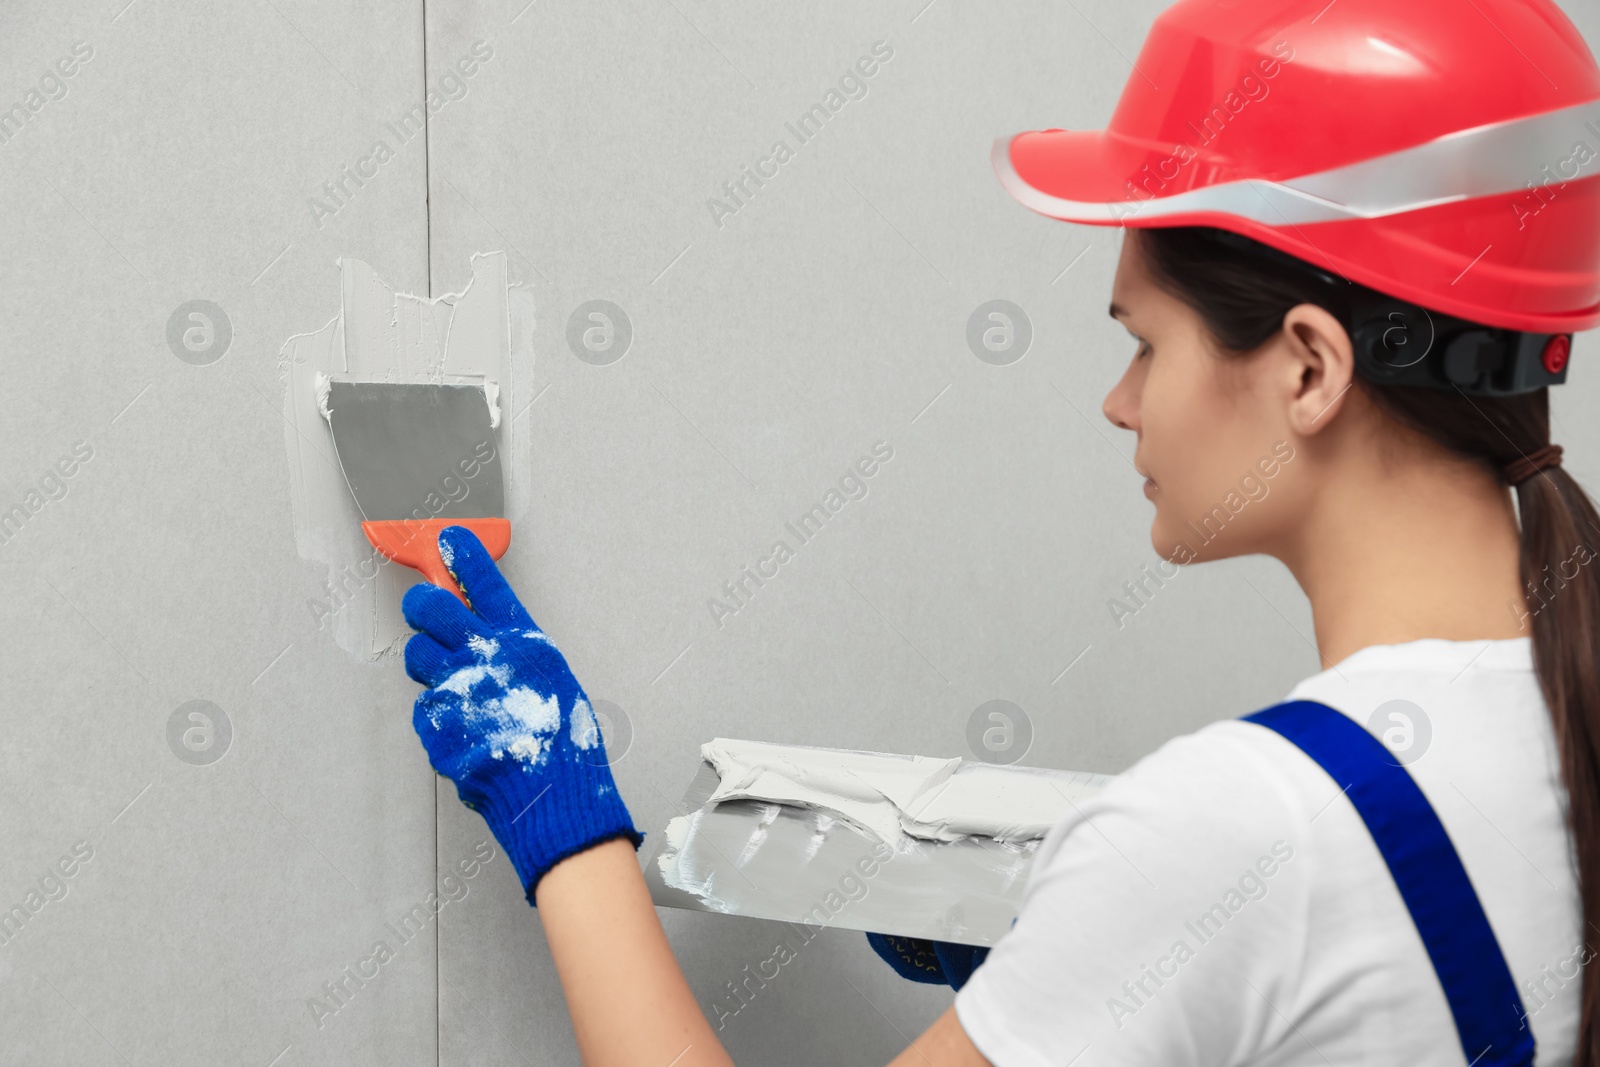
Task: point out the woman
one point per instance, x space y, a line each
1332 369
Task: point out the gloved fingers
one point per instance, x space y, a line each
910 957
958 961
485 587
438 613
435 717
428 662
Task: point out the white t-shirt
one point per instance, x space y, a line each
1223 903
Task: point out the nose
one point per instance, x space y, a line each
1121 407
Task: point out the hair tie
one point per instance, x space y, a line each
1520 470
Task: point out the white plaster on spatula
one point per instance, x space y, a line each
892 795
483 334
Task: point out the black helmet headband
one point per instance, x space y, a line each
1401 343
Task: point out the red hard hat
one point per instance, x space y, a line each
1444 154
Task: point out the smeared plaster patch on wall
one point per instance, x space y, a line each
484 333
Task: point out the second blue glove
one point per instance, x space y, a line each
922 960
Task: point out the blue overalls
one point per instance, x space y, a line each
1477 982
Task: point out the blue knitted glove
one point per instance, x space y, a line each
505 720
921 960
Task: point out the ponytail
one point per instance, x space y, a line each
1242 297
1562 575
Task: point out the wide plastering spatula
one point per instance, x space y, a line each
419 458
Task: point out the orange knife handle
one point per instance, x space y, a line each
415 543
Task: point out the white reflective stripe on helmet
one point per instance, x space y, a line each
1500 157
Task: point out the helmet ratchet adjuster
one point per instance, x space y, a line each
1399 343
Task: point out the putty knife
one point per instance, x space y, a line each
777 861
419 458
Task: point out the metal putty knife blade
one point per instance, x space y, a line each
416 450
779 862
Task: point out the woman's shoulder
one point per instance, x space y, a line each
1462 705
1228 772
1192 868
1206 804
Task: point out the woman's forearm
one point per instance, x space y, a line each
629 1002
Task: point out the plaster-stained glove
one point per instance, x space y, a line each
505 720
921 960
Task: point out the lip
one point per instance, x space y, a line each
1149 482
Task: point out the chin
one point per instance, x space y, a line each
1174 542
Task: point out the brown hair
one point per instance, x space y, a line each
1241 291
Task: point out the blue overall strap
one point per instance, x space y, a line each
1433 883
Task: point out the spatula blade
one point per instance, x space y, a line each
417 451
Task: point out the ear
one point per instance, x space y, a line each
1322 359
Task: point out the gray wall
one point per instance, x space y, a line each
770 349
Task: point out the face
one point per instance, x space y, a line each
1214 444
